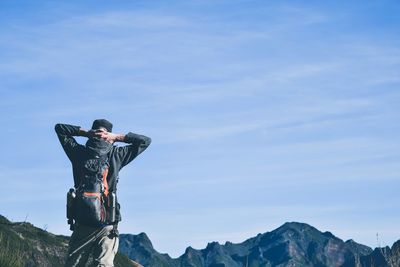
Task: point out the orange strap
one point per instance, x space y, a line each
105 173
89 194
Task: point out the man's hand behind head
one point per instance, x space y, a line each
109 137
92 133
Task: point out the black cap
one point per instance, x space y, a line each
102 123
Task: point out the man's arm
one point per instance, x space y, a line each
137 144
66 133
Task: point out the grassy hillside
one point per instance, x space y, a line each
24 245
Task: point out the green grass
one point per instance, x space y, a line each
23 244
11 252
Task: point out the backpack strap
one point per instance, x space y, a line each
114 232
105 182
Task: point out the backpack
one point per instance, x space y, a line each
92 204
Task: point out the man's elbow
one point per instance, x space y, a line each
57 127
147 141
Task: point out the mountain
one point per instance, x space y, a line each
383 257
24 245
292 244
139 247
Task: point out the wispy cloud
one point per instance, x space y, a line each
127 19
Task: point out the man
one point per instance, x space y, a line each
100 239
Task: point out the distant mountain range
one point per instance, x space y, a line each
292 244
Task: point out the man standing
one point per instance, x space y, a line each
92 209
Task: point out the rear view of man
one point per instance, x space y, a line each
92 208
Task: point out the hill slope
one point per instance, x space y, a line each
22 244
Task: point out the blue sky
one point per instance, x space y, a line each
260 112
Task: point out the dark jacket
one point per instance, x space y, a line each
118 156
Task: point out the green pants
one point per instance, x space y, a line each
86 241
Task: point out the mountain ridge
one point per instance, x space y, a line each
292 244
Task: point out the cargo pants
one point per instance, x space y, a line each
86 241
